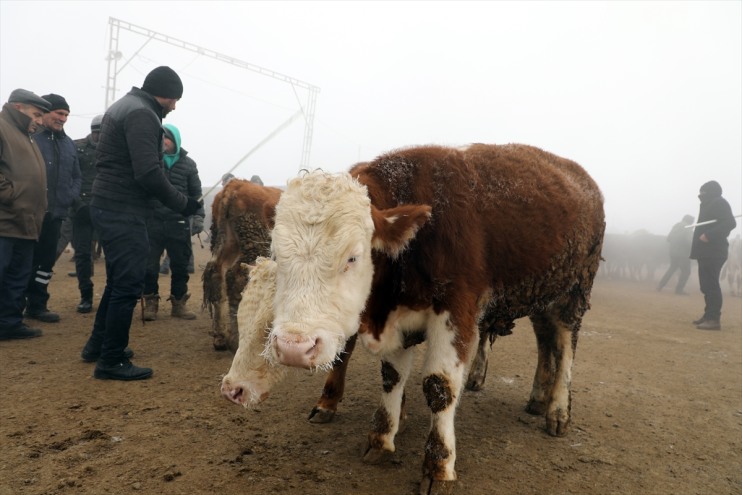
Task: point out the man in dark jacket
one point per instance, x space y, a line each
22 206
172 231
711 248
63 187
129 163
82 226
679 240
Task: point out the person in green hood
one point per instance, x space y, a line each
171 231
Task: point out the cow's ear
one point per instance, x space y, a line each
269 215
394 228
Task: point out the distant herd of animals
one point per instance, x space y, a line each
447 246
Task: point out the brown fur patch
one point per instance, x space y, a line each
437 392
389 376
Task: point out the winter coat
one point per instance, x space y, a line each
62 170
129 158
22 178
184 176
86 149
713 208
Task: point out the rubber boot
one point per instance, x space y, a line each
179 308
151 305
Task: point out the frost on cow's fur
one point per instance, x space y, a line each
250 370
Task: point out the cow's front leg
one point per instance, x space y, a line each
444 373
334 388
478 369
395 369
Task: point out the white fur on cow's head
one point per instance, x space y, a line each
252 376
322 243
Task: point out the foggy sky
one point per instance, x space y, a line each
646 96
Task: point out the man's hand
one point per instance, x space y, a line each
197 225
191 207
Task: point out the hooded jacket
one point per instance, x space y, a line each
182 173
713 207
129 158
86 156
62 170
22 178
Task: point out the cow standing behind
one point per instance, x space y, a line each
240 233
418 245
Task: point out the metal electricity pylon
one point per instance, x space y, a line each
114 56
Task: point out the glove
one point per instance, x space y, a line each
191 207
197 225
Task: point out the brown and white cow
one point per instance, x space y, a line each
420 244
240 232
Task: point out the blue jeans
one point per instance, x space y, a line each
123 237
16 261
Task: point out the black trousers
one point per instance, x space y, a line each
681 263
709 270
82 242
125 245
44 257
175 236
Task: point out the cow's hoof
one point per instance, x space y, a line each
436 487
319 415
373 455
536 407
475 384
557 426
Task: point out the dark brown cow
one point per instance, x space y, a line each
423 244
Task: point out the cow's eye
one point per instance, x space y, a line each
352 259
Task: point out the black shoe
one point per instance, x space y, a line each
85 306
123 370
20 332
90 354
44 315
699 321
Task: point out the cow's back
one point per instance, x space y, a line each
505 219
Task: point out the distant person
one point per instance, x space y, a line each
129 173
255 179
62 188
226 178
711 248
22 206
172 231
83 232
680 239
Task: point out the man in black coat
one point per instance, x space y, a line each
711 248
129 163
82 226
170 230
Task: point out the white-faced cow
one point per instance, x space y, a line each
242 213
420 244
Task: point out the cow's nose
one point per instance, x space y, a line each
296 350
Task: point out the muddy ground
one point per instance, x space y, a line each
657 410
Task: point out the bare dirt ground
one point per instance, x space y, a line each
657 410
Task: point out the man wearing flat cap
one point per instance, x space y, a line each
22 206
130 172
63 187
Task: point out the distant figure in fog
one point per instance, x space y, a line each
680 239
711 248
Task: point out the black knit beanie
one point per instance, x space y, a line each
56 102
711 188
163 82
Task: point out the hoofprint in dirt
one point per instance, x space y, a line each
657 409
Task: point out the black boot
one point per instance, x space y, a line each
91 352
86 301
